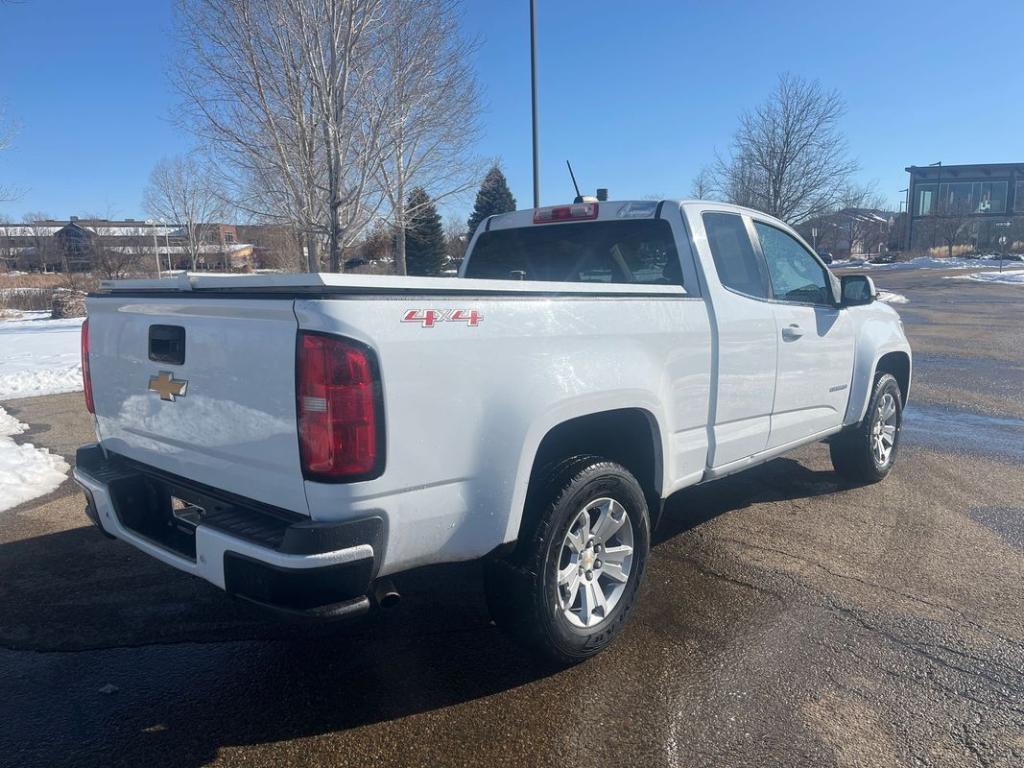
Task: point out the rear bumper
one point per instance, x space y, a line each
276 560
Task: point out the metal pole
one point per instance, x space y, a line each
167 244
533 99
156 251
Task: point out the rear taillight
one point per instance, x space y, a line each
86 376
574 212
339 409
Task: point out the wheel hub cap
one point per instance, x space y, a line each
595 562
884 428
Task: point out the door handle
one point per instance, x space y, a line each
792 332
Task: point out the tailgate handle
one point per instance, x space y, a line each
167 344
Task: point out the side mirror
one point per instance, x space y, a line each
857 290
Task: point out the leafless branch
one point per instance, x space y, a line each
788 157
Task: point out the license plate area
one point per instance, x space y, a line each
146 507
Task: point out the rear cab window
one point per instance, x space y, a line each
633 251
738 266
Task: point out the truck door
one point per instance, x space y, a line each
746 339
815 353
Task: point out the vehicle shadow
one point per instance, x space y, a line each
198 673
781 479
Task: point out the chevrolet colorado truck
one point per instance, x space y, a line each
298 440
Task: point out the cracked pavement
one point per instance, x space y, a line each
786 619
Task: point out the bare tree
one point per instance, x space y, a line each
788 157
702 187
8 249
862 207
424 85
951 219
183 192
276 246
7 130
270 85
113 254
46 253
456 238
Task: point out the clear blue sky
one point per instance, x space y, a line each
638 96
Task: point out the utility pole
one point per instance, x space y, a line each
905 206
533 99
167 243
156 248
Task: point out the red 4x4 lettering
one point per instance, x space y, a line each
468 316
428 318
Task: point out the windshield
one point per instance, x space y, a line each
637 251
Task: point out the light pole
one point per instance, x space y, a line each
938 196
906 207
533 101
167 242
156 248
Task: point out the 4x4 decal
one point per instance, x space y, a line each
428 318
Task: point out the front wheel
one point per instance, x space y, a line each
866 453
574 579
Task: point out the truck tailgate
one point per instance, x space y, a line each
219 410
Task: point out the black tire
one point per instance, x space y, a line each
523 592
853 456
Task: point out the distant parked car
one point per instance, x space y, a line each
825 256
356 262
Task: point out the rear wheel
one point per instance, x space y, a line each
867 453
574 579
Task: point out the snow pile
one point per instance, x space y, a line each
39 356
892 298
1007 277
26 472
930 262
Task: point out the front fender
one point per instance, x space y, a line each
877 333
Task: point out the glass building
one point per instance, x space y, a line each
971 205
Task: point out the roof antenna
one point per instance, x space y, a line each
579 197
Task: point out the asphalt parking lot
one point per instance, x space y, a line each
786 619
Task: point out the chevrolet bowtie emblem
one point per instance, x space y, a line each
167 386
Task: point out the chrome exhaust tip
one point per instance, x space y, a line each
385 594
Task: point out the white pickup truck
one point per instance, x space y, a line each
297 440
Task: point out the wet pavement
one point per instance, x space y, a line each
787 619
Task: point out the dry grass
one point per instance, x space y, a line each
32 280
34 291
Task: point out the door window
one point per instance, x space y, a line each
735 261
795 274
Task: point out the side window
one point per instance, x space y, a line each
735 260
795 274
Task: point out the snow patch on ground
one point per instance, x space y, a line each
892 298
924 262
26 472
39 356
1006 277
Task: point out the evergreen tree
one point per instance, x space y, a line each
424 237
494 197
